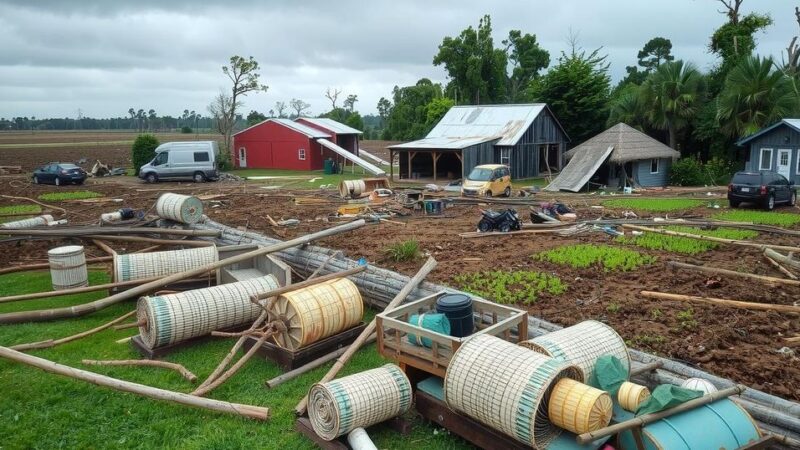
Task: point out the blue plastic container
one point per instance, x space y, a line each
433 207
458 309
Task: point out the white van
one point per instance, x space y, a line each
192 160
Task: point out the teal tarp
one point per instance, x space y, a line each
434 322
666 396
609 374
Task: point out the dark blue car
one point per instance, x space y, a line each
58 174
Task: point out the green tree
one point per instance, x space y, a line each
384 109
527 60
671 97
436 109
735 41
255 117
656 51
143 151
626 107
755 95
245 78
354 120
577 90
408 118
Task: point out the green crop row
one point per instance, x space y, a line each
20 209
511 287
652 204
68 195
586 255
760 217
679 244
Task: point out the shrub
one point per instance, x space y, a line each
652 204
403 251
606 256
511 287
760 217
186 130
690 171
143 151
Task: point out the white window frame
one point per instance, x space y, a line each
658 165
505 156
761 159
797 162
301 154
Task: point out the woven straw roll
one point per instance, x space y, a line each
317 312
68 267
180 208
358 401
28 223
506 387
631 395
581 345
177 317
578 407
136 266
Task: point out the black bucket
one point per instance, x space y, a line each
458 309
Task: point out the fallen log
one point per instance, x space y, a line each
732 273
185 373
713 239
87 308
53 342
786 259
723 302
249 411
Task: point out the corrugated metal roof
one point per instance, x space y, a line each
299 127
331 125
793 123
453 143
579 170
506 122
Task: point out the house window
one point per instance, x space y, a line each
765 162
654 165
797 169
301 154
505 156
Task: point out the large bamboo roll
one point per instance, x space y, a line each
177 317
28 223
631 395
180 208
506 387
352 188
581 345
578 407
358 401
136 266
68 267
316 312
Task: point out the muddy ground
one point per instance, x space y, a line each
733 343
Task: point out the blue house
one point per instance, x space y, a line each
776 147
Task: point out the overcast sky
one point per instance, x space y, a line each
103 57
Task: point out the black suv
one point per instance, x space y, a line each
766 188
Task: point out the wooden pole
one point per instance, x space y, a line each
26 267
148 240
53 342
80 290
732 273
305 368
185 373
429 265
713 239
87 308
126 326
786 259
638 422
104 247
723 302
780 268
250 411
203 390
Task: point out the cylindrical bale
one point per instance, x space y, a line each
317 312
28 223
581 345
352 188
699 384
578 407
177 317
360 400
68 267
506 387
631 395
136 266
180 208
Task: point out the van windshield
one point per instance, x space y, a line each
161 158
480 174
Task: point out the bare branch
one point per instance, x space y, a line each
333 95
732 7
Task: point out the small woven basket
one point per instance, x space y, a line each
578 407
631 395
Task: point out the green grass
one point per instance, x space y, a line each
760 217
68 195
403 251
41 410
20 209
321 178
511 287
652 204
685 245
610 258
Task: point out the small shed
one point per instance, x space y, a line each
776 147
620 156
279 144
528 138
342 135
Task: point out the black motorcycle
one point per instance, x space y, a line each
503 221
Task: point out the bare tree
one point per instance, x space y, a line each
244 75
333 95
793 50
280 108
223 122
350 102
732 10
298 106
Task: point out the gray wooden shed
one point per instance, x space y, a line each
776 147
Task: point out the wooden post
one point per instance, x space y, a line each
391 165
732 273
410 158
723 302
436 156
429 265
252 412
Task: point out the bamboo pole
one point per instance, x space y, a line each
80 290
780 268
643 420
104 247
46 265
644 368
126 326
305 368
713 239
203 390
84 231
53 342
426 268
249 411
723 302
87 308
786 259
732 273
149 240
185 373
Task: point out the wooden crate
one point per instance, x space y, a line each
393 328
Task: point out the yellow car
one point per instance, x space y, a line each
488 180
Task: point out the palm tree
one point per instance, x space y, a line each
755 95
671 97
626 108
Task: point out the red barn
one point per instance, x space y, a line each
279 144
343 136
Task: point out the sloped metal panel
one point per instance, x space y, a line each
369 167
506 122
578 171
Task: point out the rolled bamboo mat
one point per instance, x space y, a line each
358 401
136 266
180 208
506 387
578 407
631 395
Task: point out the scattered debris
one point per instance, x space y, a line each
502 221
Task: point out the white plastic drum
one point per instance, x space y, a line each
68 267
180 208
28 223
